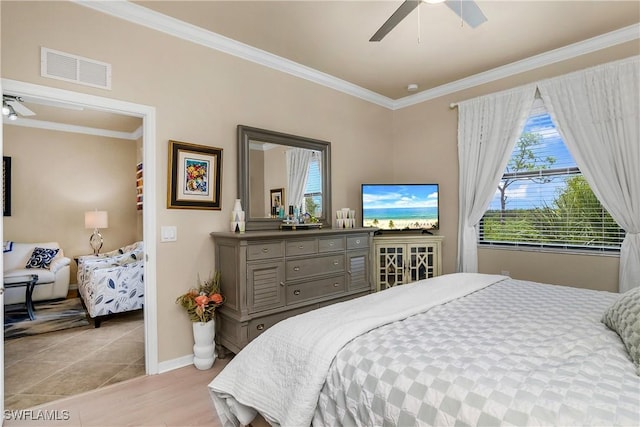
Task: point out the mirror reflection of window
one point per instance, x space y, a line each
298 161
313 189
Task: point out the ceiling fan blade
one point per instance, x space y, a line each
401 13
468 10
21 109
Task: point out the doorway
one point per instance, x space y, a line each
147 114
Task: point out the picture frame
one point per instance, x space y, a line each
194 179
6 186
277 198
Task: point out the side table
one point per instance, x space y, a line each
29 281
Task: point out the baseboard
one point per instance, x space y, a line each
177 363
172 364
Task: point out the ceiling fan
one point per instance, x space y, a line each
12 106
468 10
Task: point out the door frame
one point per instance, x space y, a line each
149 214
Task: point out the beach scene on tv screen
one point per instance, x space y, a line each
398 207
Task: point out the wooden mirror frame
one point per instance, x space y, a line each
247 134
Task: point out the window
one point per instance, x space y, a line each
543 200
313 190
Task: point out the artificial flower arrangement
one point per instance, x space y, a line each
201 302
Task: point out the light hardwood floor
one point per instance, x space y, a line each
176 398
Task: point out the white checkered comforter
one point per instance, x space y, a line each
515 353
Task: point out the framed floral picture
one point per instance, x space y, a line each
195 172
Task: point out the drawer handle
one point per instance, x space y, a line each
265 250
335 285
336 262
260 326
296 292
281 283
301 247
296 268
331 243
357 241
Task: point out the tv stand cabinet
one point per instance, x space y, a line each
267 276
405 258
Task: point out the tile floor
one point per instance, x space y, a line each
48 367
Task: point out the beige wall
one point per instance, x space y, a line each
57 176
583 271
425 139
200 96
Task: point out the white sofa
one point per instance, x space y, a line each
113 282
53 282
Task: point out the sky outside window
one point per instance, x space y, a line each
527 194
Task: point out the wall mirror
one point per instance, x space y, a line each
278 171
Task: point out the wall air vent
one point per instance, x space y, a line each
73 68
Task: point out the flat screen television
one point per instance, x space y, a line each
400 206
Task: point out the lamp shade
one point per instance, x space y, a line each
96 219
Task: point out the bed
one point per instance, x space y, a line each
460 349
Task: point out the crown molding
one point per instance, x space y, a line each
140 15
63 127
52 96
138 133
564 53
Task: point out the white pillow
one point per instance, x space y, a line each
623 317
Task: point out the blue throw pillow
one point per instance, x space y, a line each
41 258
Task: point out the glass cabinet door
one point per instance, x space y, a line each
421 262
391 265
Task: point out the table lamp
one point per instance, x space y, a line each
96 219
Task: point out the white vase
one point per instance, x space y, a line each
237 217
204 349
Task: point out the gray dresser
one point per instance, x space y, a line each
267 276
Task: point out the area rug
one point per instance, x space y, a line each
50 316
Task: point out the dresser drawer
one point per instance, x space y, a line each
357 242
338 299
259 325
315 289
302 247
331 244
309 267
265 250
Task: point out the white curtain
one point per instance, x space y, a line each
298 160
598 115
488 128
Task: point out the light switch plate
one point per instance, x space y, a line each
168 233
